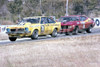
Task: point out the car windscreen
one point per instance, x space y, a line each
30 20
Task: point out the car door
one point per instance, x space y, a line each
44 25
51 23
78 22
87 22
83 22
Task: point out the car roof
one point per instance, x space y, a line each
73 16
34 17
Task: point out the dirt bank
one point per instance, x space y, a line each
68 52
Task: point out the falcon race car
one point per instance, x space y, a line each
76 23
33 27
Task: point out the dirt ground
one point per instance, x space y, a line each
64 52
3 36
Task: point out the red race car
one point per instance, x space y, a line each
76 23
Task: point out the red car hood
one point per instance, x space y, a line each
66 23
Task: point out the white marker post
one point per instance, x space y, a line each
66 7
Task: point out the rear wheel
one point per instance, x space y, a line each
54 34
89 30
34 34
12 38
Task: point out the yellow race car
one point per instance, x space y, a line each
33 27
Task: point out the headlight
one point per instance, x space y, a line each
26 29
8 30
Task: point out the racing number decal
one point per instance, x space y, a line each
83 24
77 22
42 28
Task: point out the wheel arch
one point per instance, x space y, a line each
91 25
56 29
34 30
76 27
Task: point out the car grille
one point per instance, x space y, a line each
20 29
64 27
14 30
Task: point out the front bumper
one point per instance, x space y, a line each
66 30
19 34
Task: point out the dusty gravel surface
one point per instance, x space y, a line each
64 52
3 36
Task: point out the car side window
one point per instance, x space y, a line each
75 19
51 20
44 20
67 18
82 18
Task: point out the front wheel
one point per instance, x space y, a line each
54 34
12 38
34 34
68 33
75 32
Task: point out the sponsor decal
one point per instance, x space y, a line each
34 26
82 22
77 22
56 24
83 26
97 21
42 28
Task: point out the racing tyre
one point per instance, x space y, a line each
75 32
12 38
68 33
89 30
54 34
34 34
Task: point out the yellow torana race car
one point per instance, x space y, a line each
33 27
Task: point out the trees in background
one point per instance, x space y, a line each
84 6
78 7
50 7
2 2
15 8
31 8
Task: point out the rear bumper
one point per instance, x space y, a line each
67 28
